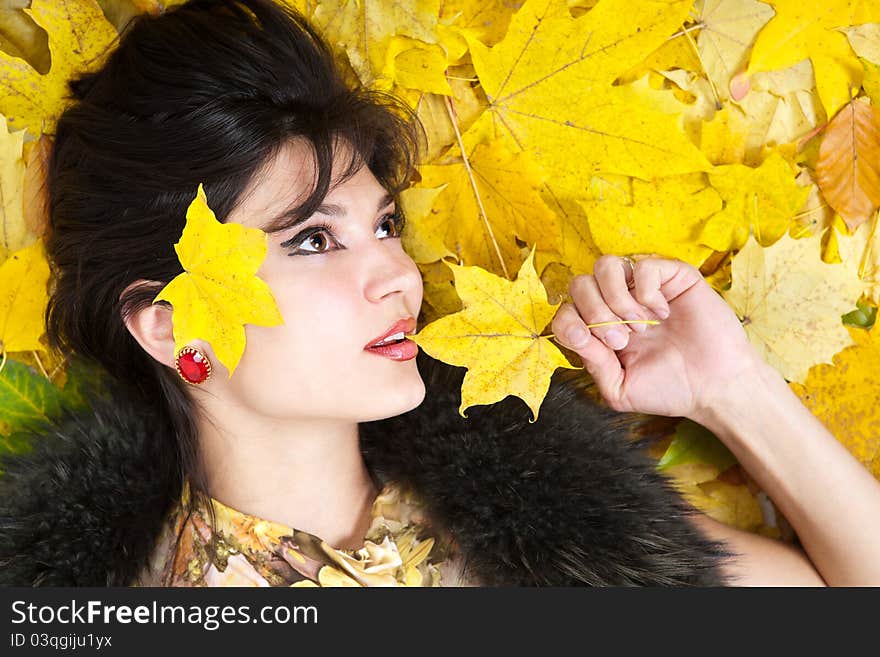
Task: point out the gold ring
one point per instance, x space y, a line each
630 284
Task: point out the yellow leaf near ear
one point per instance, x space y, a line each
23 299
219 291
497 337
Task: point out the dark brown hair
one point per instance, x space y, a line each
207 92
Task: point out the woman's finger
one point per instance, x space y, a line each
650 276
611 274
599 360
591 307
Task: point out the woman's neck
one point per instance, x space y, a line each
310 476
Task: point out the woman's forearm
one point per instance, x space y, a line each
830 499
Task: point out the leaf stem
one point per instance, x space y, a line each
450 109
622 321
696 50
652 322
40 363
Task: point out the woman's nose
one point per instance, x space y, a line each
390 272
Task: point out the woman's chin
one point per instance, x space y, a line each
403 401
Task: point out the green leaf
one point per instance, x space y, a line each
693 443
862 317
28 400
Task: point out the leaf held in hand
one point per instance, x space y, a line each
497 337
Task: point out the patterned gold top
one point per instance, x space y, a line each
252 551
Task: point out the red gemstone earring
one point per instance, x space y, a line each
192 365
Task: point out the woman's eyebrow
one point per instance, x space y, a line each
281 222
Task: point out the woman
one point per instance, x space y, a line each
323 461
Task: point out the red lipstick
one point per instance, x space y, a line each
394 343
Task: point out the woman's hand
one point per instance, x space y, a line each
678 368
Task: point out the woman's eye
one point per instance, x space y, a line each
395 220
317 241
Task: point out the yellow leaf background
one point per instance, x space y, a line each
559 131
24 277
844 394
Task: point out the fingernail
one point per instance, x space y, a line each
663 312
615 339
576 336
636 327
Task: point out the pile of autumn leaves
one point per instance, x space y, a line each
740 136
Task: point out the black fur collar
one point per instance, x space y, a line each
568 500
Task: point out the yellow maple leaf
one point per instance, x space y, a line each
575 246
863 248
486 20
781 107
218 292
434 112
494 197
727 31
802 30
497 336
844 394
676 53
440 298
662 218
731 504
762 201
23 299
14 234
364 30
790 302
871 81
865 41
416 65
420 240
723 139
79 39
550 89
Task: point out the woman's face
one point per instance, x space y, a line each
337 290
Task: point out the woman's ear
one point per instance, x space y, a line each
151 327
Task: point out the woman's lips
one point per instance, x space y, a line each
405 326
406 350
